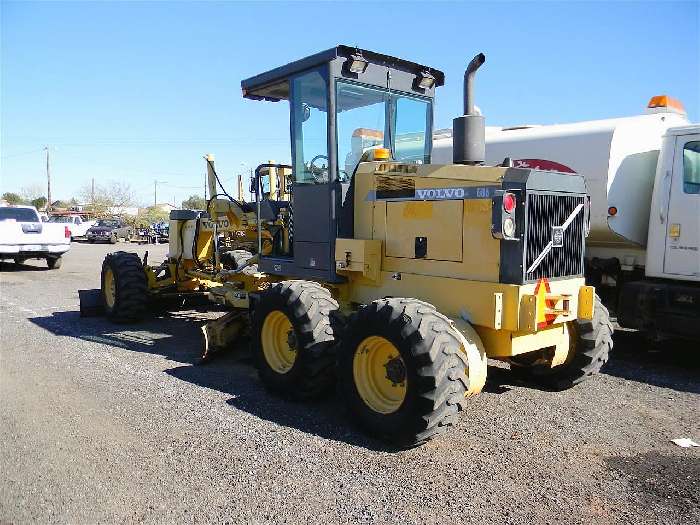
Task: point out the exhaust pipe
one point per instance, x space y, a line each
468 131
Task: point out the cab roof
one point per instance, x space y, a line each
273 86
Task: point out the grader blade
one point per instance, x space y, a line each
221 333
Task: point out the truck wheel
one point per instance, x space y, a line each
54 263
589 348
292 338
124 287
91 241
402 371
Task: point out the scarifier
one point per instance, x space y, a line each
364 263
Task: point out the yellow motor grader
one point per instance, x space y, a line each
364 263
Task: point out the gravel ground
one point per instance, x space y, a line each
105 423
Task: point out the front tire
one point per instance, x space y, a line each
293 336
403 372
589 349
124 287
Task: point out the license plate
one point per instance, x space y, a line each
33 248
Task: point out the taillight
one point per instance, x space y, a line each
503 216
66 232
509 202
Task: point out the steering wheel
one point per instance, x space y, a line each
320 175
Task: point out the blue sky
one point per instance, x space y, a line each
138 92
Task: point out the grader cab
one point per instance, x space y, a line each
363 263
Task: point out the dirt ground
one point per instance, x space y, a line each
108 423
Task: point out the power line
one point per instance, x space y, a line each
22 154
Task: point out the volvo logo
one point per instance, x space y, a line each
557 236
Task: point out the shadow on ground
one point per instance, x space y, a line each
38 265
174 335
177 337
668 481
671 363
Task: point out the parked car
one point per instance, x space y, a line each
77 226
23 236
109 230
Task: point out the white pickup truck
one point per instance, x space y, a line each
76 224
23 236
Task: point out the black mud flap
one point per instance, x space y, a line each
91 304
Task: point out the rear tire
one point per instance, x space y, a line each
430 368
54 263
293 334
124 287
591 343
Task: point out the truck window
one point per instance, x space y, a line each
691 167
310 118
412 117
18 214
360 123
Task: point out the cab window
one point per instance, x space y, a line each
310 120
412 116
691 167
360 123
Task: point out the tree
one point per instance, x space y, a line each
107 197
194 202
31 192
148 216
12 198
39 202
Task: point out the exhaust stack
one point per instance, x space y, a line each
468 131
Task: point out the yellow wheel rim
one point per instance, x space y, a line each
278 342
110 288
379 372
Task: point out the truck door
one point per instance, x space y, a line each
311 192
682 255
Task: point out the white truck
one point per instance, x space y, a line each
643 179
23 236
76 224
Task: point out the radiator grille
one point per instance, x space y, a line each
543 212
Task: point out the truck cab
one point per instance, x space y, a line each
667 300
343 103
673 247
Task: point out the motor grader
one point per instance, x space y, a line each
363 263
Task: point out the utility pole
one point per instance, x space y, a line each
48 181
155 190
92 195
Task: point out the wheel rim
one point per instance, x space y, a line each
110 288
379 373
278 342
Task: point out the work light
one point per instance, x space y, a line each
357 63
426 80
